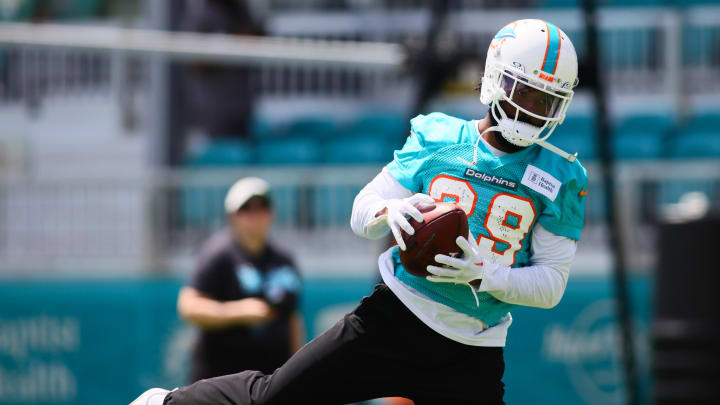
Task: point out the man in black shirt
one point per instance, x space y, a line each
244 292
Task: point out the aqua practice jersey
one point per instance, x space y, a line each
504 197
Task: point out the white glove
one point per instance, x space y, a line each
153 396
463 270
399 209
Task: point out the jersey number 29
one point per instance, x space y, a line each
508 218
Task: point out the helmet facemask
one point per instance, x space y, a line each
538 107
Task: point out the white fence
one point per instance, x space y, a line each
156 223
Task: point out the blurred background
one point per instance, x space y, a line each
123 123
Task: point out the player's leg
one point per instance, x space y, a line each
477 379
381 349
434 369
358 358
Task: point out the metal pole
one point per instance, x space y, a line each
158 118
603 134
430 70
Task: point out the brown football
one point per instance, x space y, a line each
442 224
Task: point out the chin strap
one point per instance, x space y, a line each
542 142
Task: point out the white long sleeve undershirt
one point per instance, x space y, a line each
541 284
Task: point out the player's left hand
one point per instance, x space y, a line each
462 270
470 267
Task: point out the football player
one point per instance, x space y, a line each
439 339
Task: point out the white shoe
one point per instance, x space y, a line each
153 396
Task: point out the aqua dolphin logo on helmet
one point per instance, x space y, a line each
507 32
530 56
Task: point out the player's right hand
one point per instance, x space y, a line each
153 396
399 209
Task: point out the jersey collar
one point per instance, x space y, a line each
485 153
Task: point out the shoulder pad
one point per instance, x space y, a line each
437 130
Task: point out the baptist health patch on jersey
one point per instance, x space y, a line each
541 181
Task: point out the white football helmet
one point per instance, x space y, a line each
530 57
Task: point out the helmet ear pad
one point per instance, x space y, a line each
490 89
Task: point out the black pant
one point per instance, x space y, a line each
379 350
